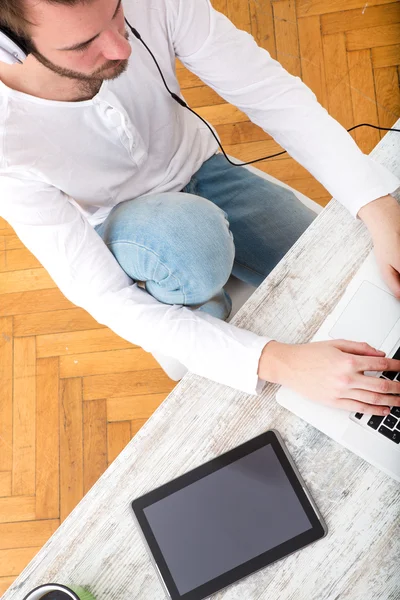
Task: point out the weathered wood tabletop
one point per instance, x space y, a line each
98 545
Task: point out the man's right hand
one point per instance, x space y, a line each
331 372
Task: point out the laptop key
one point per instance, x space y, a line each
375 421
389 375
359 415
391 435
395 411
390 421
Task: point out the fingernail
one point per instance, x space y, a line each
386 411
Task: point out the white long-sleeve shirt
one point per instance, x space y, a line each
65 165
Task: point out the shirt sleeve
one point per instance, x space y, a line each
229 60
88 274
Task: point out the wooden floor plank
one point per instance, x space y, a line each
19 260
312 57
56 321
221 114
187 79
94 442
337 22
118 436
6 394
12 561
27 279
238 133
133 407
71 445
387 96
337 79
114 361
5 483
24 417
363 99
33 301
201 96
370 37
80 342
385 56
262 25
5 583
136 424
17 508
286 34
150 381
238 12
319 7
47 439
26 534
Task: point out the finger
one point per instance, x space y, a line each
369 409
378 363
373 398
361 348
376 384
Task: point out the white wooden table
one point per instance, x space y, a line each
98 545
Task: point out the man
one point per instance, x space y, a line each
109 182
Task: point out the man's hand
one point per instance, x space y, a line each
382 217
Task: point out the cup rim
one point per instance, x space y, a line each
60 585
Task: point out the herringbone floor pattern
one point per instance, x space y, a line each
72 392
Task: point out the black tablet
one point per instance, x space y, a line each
227 518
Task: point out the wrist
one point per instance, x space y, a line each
271 361
379 210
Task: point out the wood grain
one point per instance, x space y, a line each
71 445
34 533
6 399
118 436
24 417
47 439
95 442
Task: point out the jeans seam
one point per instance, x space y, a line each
170 274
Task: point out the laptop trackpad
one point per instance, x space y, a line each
369 316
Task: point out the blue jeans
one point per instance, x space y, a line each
185 245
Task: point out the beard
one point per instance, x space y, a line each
88 84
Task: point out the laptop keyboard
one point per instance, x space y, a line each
388 426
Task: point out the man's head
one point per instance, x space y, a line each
53 29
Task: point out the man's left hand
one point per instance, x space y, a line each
382 217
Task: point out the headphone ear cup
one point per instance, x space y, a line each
13 48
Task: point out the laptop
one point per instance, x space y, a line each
367 312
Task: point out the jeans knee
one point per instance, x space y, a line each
180 244
198 245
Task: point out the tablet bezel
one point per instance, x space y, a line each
318 530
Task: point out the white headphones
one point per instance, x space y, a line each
12 48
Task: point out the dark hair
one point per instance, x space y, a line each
13 15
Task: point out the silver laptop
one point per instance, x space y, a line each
367 312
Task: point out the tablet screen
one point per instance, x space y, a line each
226 518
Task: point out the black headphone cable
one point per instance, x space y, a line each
183 103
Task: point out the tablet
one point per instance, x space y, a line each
227 518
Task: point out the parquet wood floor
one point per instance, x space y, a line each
72 392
